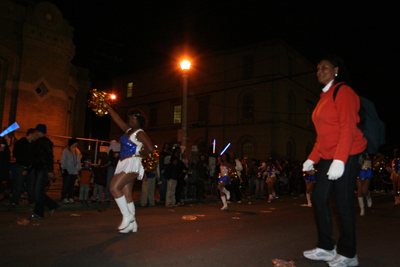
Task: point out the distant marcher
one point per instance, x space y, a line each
70 165
23 154
223 181
43 168
236 183
363 182
309 179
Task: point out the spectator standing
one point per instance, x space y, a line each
165 157
86 179
43 168
395 176
113 155
172 172
252 172
23 153
260 180
100 180
202 175
193 158
71 165
4 160
236 183
148 188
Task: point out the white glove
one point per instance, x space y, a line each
336 170
308 165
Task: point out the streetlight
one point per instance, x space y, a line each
185 65
112 96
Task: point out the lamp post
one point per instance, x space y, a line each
185 65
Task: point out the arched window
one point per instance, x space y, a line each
248 149
248 106
308 149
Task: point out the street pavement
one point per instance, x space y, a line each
252 233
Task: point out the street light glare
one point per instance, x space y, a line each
185 65
113 96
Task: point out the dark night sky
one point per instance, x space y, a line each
140 34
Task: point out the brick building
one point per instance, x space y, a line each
37 80
259 98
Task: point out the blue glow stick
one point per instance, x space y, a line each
10 129
225 149
214 143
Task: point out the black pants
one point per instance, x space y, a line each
343 189
68 186
42 200
19 182
236 189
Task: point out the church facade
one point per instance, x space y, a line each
38 82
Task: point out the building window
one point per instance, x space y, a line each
42 90
178 114
291 107
248 106
203 112
248 66
153 116
248 149
129 89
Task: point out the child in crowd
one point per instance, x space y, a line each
100 179
85 179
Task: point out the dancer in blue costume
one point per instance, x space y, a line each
363 181
309 178
223 180
129 167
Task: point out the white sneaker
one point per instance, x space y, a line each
342 261
319 254
65 201
71 200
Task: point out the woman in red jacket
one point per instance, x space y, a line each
337 149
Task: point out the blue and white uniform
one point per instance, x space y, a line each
366 170
224 175
309 176
130 160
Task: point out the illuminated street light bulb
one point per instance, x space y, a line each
185 65
113 96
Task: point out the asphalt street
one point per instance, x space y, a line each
252 233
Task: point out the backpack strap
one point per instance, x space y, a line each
336 90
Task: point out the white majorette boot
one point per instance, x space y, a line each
227 193
361 203
225 207
133 225
369 200
127 216
309 200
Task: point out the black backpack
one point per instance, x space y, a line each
370 125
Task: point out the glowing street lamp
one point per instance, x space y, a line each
185 65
